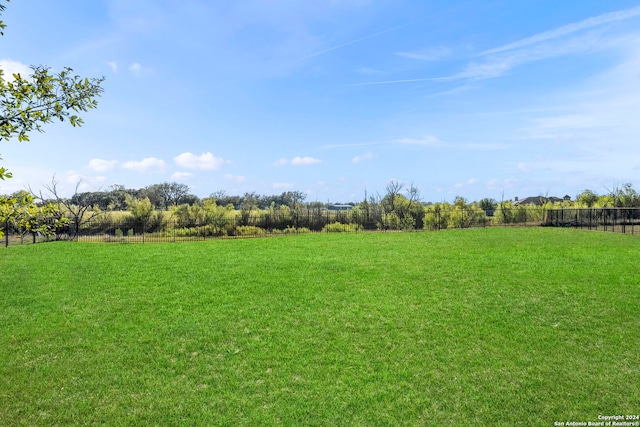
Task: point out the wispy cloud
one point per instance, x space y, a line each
368 70
428 140
576 38
181 176
205 161
147 164
303 161
281 185
235 178
481 146
434 142
567 29
388 82
138 69
496 65
467 183
339 46
571 39
10 67
297 161
114 66
362 158
101 165
357 144
84 182
427 54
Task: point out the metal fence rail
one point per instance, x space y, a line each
237 224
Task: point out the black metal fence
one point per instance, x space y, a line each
164 227
621 220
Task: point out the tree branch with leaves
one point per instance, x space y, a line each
29 102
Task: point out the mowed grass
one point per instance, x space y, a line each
465 327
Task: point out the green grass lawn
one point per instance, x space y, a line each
465 327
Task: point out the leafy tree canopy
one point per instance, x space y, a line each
29 102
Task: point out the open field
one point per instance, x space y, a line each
508 327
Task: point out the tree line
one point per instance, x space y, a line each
401 207
29 102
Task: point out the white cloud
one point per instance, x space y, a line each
11 67
145 165
114 66
503 184
205 161
297 161
281 185
301 161
101 165
470 181
72 179
139 70
366 156
181 176
235 178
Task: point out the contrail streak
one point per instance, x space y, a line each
568 29
388 82
340 46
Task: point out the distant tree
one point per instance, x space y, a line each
99 199
400 211
293 199
251 201
223 199
141 211
413 194
20 210
10 208
488 204
587 198
79 213
371 207
167 194
393 190
627 196
116 197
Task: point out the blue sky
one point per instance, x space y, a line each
335 97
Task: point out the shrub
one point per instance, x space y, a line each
338 227
250 230
203 231
293 230
390 221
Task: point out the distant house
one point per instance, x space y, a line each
539 200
